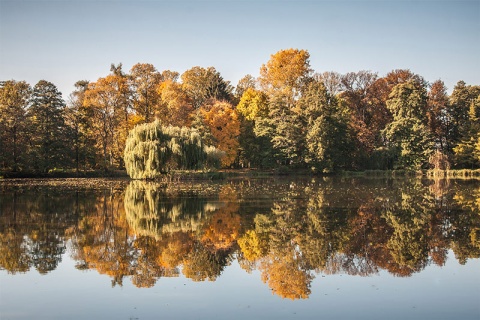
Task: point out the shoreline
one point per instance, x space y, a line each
120 178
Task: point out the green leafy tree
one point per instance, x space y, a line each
327 140
153 149
465 102
79 128
201 84
46 114
408 137
283 129
254 151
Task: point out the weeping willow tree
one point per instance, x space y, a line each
152 149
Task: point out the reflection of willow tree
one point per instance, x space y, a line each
186 228
32 228
152 211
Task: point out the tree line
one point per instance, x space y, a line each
288 116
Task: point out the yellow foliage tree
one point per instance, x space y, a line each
251 245
176 107
253 104
285 277
286 73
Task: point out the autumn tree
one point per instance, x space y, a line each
363 113
439 117
224 126
175 107
145 80
107 103
247 82
46 114
201 84
169 75
283 78
253 150
331 80
14 100
286 73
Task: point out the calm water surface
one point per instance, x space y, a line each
242 249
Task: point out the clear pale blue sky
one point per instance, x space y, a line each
70 40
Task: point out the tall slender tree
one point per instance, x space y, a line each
439 117
80 128
46 114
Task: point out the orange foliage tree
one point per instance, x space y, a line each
224 125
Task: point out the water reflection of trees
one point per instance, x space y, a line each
288 232
34 226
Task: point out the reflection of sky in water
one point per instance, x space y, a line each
449 292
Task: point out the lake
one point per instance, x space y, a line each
276 248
